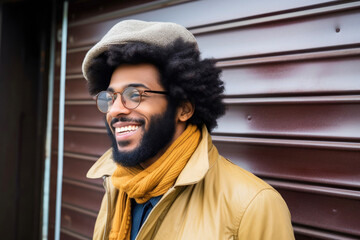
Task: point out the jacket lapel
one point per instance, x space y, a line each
200 162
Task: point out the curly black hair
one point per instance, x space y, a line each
182 73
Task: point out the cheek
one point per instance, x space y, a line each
150 111
108 120
155 108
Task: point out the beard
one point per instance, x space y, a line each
159 134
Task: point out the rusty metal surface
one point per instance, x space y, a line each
82 10
283 36
76 89
321 210
74 61
75 168
86 143
233 9
322 120
219 11
267 38
77 220
306 77
82 195
84 115
312 165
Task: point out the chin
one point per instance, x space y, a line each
135 149
127 149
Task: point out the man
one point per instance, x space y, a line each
164 178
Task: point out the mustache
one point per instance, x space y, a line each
126 119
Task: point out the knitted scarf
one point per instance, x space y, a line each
143 184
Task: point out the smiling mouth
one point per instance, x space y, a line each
126 129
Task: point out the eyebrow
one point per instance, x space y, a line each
110 89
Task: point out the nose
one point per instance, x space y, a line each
118 108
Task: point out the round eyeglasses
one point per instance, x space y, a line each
130 98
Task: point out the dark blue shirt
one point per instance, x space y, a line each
139 213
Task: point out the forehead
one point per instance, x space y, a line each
142 74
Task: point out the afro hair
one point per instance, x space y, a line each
182 73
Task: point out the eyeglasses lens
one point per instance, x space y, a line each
131 98
104 101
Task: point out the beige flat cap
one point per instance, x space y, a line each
157 33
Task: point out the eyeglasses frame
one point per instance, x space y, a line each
141 92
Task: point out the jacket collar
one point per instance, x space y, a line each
198 165
200 162
104 166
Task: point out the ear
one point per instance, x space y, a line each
185 111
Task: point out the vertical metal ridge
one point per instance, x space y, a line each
47 164
61 122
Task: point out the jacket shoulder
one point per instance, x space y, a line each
239 180
234 184
252 202
238 186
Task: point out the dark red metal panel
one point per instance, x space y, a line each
87 143
190 15
77 89
323 120
297 163
84 115
322 210
82 10
83 195
283 36
74 62
313 76
78 220
76 167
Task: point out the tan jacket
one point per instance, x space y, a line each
211 199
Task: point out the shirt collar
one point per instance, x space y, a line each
154 200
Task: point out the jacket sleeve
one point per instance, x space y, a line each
99 227
266 218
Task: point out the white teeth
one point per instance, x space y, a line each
126 129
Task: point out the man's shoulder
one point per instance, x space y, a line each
234 174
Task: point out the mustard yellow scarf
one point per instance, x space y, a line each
143 184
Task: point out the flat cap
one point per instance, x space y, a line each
158 33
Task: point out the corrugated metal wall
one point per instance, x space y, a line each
292 75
